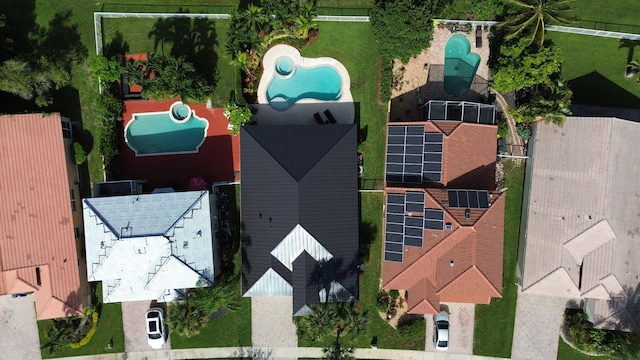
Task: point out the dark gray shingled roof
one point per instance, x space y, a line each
300 175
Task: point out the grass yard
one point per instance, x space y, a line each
566 352
109 330
354 46
618 15
600 80
140 37
493 333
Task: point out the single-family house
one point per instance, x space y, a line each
299 213
581 218
41 219
151 246
443 225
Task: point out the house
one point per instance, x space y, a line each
443 235
40 220
299 213
581 208
149 247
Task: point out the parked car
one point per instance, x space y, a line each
441 331
155 328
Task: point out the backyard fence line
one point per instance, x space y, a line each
592 32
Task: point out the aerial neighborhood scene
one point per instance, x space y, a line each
306 179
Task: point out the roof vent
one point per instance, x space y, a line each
467 214
451 263
448 226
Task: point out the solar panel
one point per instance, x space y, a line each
468 199
391 256
413 241
434 219
413 221
395 199
432 157
392 237
394 247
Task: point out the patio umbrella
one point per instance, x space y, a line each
197 183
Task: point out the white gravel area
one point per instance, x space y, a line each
272 322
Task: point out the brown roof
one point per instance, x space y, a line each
36 220
463 264
469 153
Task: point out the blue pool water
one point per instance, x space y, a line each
157 134
294 83
460 65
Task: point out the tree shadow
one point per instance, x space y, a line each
595 89
192 38
117 46
20 22
630 45
61 41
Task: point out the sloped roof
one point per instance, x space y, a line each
144 247
469 153
463 264
299 198
584 203
36 227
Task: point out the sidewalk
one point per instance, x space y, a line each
278 352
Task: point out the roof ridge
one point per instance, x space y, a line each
181 217
476 270
430 252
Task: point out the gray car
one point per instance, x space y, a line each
441 331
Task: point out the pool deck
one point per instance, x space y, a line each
217 160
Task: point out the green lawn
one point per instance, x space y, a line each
611 15
109 330
354 46
494 323
566 352
600 80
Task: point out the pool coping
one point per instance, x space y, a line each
282 50
168 112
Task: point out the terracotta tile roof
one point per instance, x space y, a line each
36 228
463 264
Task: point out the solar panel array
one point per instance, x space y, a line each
469 199
413 156
406 219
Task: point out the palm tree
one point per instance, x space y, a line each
185 319
212 298
633 69
255 18
550 103
536 13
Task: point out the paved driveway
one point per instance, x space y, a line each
18 328
272 322
134 326
461 323
537 327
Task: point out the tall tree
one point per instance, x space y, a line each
633 70
520 65
533 15
550 103
402 28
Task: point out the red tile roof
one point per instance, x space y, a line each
36 228
218 159
463 264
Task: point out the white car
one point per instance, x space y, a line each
155 328
441 331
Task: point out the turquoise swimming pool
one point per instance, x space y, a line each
292 83
460 66
164 133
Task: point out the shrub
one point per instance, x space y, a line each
386 78
92 330
503 128
109 106
108 140
524 131
238 116
409 326
382 302
394 294
108 70
79 155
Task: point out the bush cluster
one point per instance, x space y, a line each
409 326
92 330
